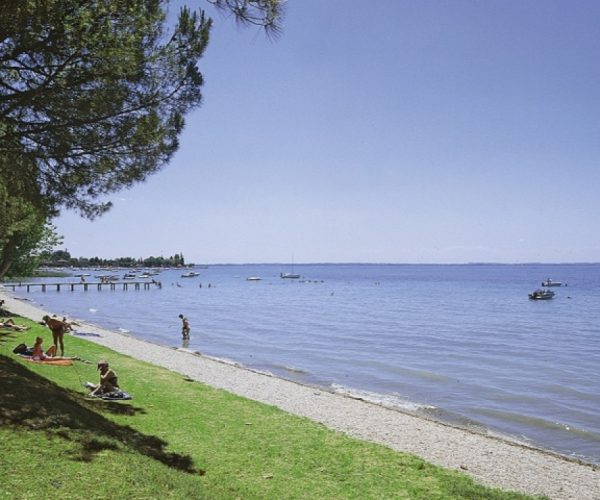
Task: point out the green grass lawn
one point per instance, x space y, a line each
182 439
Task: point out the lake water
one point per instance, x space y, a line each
461 343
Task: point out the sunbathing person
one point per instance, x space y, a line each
10 323
69 324
108 380
38 353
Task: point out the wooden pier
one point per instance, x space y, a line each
99 285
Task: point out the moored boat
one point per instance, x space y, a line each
191 274
550 282
289 275
541 294
107 277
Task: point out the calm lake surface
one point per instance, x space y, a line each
461 343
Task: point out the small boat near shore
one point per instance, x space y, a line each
191 274
550 282
541 294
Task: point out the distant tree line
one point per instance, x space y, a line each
62 258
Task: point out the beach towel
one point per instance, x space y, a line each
108 396
113 396
49 361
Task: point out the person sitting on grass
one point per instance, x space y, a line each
108 380
38 353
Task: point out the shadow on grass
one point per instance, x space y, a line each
6 337
31 402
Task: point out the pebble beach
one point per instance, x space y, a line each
490 460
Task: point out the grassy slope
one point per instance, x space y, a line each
182 439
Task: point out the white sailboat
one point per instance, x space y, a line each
291 275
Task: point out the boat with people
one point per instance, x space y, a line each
541 294
550 282
191 274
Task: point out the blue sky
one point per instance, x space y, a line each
385 131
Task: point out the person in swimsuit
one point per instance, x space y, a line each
58 328
185 327
108 380
10 323
38 352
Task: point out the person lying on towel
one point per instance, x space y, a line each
10 323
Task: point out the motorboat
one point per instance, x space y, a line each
191 274
541 294
550 282
289 275
253 278
107 277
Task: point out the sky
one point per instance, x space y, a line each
389 131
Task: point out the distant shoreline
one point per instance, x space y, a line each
284 264
490 460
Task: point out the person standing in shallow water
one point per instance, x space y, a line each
185 327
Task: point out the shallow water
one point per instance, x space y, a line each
462 343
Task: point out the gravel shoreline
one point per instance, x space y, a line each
490 460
